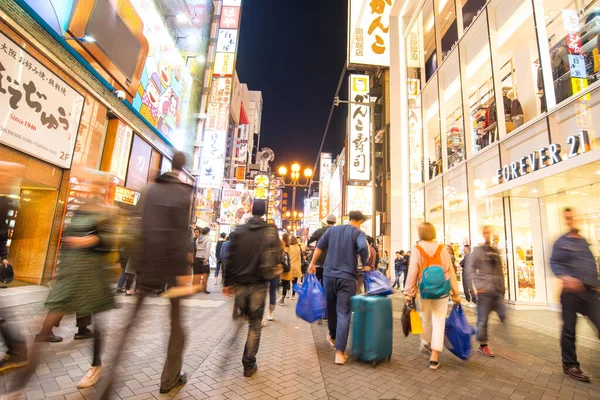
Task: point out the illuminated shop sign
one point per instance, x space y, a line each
324 185
127 196
359 198
40 112
544 157
360 128
368 34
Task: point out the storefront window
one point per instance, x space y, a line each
446 20
434 212
433 137
527 249
572 27
417 214
415 143
470 9
478 95
516 60
451 110
583 115
456 211
429 41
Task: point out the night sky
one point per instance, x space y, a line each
294 51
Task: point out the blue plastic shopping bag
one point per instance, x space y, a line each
458 333
311 299
377 284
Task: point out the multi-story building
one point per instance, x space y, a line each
495 123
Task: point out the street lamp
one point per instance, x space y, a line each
295 182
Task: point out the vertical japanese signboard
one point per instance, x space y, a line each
359 146
324 184
368 32
212 156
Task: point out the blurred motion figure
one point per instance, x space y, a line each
573 263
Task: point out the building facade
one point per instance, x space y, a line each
495 121
70 98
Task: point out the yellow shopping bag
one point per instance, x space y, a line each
415 323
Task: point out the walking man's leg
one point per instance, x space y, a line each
255 310
345 290
172 374
466 289
572 303
330 295
83 332
484 307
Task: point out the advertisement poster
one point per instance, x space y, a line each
224 64
139 164
40 113
236 206
163 95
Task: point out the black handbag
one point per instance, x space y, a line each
406 318
7 274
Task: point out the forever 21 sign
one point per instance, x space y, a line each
543 158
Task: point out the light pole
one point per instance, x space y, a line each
294 182
291 223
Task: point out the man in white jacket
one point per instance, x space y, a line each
201 260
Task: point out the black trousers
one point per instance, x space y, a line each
585 303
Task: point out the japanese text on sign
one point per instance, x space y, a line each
40 112
227 40
369 32
360 128
324 184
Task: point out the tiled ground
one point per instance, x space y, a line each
295 362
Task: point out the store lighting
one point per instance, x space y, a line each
451 90
441 5
584 194
429 24
192 39
598 172
513 23
534 190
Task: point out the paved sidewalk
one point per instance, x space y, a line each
294 360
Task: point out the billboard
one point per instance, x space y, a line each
368 32
359 146
40 112
236 206
324 186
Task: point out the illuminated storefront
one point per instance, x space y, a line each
500 128
71 96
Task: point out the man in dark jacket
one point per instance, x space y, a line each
163 261
254 248
405 264
469 294
218 254
484 272
315 237
573 263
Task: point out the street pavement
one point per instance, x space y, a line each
294 360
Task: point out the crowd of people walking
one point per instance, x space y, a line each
259 267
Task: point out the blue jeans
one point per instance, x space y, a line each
273 285
250 300
338 292
486 303
397 281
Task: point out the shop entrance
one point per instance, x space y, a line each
534 221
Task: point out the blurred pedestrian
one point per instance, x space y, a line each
253 258
163 262
470 296
343 244
431 254
573 263
202 260
484 273
222 239
384 263
292 248
82 284
398 262
405 265
16 349
318 234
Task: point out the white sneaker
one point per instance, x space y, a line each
91 377
270 316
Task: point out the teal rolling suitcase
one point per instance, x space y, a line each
372 328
